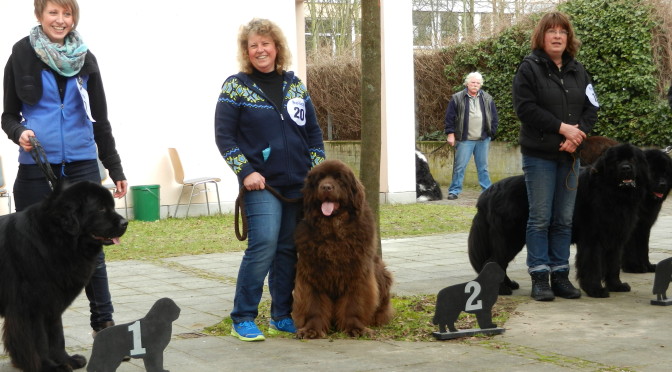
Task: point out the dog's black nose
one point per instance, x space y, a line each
326 187
123 223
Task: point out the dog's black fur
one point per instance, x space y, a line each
426 187
636 251
607 203
47 254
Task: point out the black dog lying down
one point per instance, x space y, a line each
609 197
47 255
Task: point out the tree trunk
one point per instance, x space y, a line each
369 169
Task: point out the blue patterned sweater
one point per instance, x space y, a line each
253 135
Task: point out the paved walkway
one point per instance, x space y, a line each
620 333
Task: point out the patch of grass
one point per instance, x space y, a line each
412 321
215 234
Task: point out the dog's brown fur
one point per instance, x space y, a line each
341 280
593 147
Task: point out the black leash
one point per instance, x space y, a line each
438 148
240 208
40 158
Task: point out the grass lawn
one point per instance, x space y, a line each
215 234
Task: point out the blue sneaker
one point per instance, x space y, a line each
247 331
284 325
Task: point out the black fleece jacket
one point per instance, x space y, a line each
545 96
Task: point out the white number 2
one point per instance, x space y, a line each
472 304
137 339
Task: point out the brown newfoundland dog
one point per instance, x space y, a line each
341 280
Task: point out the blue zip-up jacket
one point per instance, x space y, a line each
253 135
62 127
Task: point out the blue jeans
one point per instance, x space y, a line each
31 187
463 152
270 250
551 192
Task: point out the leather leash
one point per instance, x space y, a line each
42 162
240 209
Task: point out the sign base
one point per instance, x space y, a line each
467 332
667 302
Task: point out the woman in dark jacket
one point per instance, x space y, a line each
555 102
53 92
267 131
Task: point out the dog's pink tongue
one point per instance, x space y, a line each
328 208
116 240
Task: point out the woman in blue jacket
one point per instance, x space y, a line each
53 92
267 132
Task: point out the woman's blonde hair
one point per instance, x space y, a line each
68 4
553 20
263 27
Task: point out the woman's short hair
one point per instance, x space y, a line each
553 20
263 27
474 74
68 4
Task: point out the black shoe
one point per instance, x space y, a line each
541 290
561 285
451 197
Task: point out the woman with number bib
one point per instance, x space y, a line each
53 92
267 132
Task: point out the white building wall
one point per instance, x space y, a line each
398 133
162 63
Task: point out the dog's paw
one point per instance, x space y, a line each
76 361
619 287
634 269
309 333
505 290
651 268
357 332
597 292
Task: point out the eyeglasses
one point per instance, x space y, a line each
551 31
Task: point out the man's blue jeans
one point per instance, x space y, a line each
270 250
551 192
463 152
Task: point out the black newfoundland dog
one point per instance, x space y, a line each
47 254
608 200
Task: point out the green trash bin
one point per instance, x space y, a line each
146 202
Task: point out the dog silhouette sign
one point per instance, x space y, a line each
661 282
475 297
144 339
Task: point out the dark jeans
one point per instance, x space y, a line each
31 187
270 251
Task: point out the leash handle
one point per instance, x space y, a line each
239 209
40 158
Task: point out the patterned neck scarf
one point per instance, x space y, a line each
66 59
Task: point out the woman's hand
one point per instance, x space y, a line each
254 181
572 133
24 140
121 189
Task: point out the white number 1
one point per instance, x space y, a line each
137 339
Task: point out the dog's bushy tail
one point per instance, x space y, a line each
479 244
